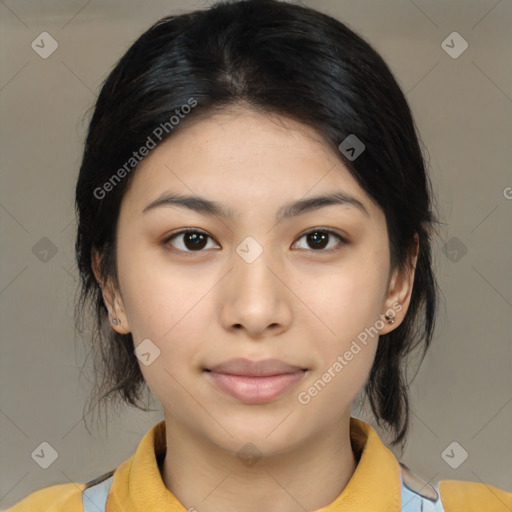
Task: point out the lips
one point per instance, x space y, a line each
254 382
249 368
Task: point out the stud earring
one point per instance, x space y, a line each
390 319
116 321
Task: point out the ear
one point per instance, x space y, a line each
111 297
399 293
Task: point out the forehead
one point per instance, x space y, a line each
244 156
239 133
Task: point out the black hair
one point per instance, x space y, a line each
276 58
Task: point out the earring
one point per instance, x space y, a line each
116 321
390 319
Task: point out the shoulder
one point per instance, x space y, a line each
56 498
462 496
65 497
451 495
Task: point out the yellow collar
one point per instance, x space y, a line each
374 487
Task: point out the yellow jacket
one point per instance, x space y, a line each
377 485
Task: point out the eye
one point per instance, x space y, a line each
319 237
193 240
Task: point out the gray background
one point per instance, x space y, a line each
463 109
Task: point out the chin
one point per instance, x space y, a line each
271 436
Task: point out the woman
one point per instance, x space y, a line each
255 225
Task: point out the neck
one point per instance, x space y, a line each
207 478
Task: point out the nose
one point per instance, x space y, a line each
255 296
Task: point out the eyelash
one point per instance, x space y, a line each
343 241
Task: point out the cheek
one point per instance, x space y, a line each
156 296
345 342
166 309
348 301
347 298
168 306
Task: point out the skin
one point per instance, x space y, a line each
296 303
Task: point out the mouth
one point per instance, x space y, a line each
254 382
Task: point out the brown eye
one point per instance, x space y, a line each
318 239
190 240
193 240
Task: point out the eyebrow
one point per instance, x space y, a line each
212 208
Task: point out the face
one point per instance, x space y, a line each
308 288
